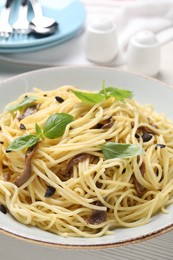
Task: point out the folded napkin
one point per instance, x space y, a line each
130 17
155 16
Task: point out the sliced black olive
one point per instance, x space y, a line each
137 135
22 127
124 170
8 151
3 209
49 192
146 137
59 99
160 145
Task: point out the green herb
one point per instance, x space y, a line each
39 131
23 142
105 93
55 125
25 102
91 98
117 150
117 93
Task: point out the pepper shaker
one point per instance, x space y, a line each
143 54
101 40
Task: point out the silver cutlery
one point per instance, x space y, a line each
5 28
41 24
21 26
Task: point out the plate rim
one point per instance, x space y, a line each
130 241
82 67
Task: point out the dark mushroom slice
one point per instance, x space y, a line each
75 160
97 216
146 132
28 167
138 158
151 123
7 173
29 111
7 176
108 123
139 188
146 129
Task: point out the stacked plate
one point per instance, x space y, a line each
70 15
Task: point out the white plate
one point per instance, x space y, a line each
145 91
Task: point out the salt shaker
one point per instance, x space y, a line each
101 40
143 54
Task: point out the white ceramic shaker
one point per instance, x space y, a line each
101 40
143 54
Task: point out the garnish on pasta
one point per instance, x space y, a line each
82 163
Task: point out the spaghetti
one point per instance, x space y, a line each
71 188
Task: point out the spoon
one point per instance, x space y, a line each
42 30
40 23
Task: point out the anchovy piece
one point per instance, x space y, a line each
28 167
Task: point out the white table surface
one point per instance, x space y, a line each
157 248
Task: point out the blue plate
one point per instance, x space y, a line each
70 17
35 48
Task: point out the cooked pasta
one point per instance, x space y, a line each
70 187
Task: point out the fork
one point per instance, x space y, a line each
21 26
5 28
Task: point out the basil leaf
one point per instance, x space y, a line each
25 102
39 131
103 91
23 142
91 98
55 125
117 93
117 150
